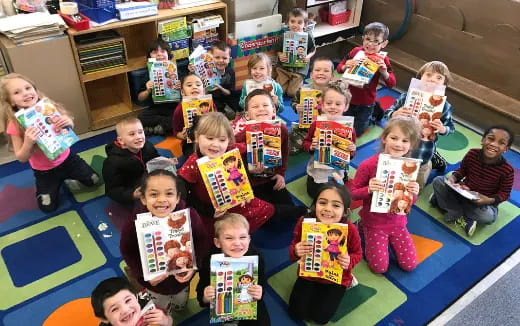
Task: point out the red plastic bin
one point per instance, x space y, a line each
79 26
336 19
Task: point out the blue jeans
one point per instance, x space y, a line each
361 114
456 205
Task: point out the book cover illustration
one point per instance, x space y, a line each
426 102
52 141
165 79
226 179
333 136
165 243
266 85
295 48
328 242
471 195
395 173
145 301
362 72
192 107
310 99
231 277
205 67
264 142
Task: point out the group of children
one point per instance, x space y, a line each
161 192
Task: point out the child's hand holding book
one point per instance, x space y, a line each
344 260
184 276
255 291
303 248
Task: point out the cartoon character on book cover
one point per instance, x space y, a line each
165 79
395 173
295 48
225 179
366 66
205 67
424 97
311 101
328 242
165 243
333 136
264 142
231 278
52 141
192 107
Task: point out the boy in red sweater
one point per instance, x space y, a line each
375 38
484 171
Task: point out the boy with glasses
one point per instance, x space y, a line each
375 38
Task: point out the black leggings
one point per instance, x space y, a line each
315 301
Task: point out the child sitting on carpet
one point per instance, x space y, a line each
268 184
321 74
19 92
335 101
160 195
233 240
433 72
191 86
126 160
484 171
157 117
399 138
115 303
318 299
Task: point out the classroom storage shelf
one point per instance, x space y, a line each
107 92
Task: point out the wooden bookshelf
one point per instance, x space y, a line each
107 92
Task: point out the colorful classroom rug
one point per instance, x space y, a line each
50 263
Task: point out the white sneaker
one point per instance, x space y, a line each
354 282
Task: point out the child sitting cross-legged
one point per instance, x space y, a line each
482 170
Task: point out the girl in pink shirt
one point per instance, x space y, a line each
18 92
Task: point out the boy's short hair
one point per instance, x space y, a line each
221 45
341 87
256 92
377 29
504 128
298 12
322 58
106 289
124 122
438 67
230 219
159 43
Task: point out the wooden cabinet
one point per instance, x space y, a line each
107 92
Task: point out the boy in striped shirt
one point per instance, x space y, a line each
484 171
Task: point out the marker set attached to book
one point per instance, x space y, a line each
310 99
333 136
225 179
164 77
263 141
224 289
193 106
394 173
295 48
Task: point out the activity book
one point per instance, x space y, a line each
266 85
310 99
471 195
52 141
395 173
264 142
205 67
425 99
225 179
192 107
295 48
164 77
328 242
165 243
333 136
231 277
362 72
146 303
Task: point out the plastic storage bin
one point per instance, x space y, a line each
336 19
98 11
79 26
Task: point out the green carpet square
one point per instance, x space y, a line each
453 147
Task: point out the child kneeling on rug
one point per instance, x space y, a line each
115 303
484 171
318 299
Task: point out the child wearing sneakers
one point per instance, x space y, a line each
438 73
375 38
321 74
484 171
291 79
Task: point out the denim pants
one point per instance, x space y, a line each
361 114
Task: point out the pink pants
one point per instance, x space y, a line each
376 248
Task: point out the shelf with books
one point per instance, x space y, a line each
131 65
